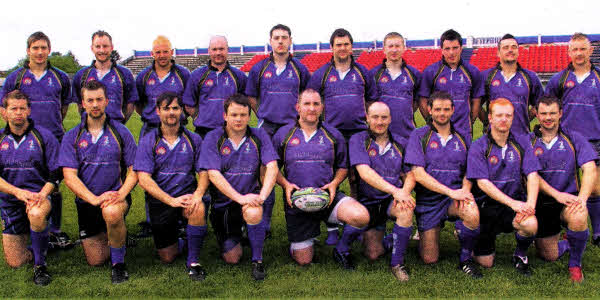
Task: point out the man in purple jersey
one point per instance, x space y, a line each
313 154
397 85
508 80
384 187
578 88
561 154
120 84
28 174
167 163
210 85
498 162
48 89
460 79
438 155
235 157
97 159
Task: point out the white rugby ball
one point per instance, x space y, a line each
310 199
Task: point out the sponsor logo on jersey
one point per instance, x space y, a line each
184 148
434 145
225 150
172 81
372 152
332 78
321 140
151 82
511 156
290 75
457 147
50 82
83 144
105 141
538 151
496 82
226 80
570 84
161 150
519 83
443 80
268 74
209 82
4 146
384 79
295 141
493 159
247 148
113 79
31 146
561 146
353 77
26 81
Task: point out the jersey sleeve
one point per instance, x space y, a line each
477 167
76 87
426 82
243 81
370 87
211 158
252 88
357 151
304 76
537 90
9 85
190 95
530 162
315 80
144 158
477 87
140 86
129 146
67 156
584 150
414 151
417 83
51 154
65 93
267 152
130 93
341 155
552 89
197 140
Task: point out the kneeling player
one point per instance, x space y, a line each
233 156
166 163
498 161
313 154
28 169
384 186
561 154
95 156
438 155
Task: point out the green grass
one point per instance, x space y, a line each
72 277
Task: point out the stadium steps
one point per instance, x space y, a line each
596 54
466 54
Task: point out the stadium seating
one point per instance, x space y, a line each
249 64
314 61
542 59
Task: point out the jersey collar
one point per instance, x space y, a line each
210 66
8 131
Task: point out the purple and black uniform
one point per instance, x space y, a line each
522 90
344 97
400 95
120 88
463 84
276 93
207 89
505 168
150 86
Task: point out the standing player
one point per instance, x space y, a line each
313 154
48 89
166 163
28 174
508 80
397 85
384 186
561 154
234 155
95 156
498 161
210 85
118 80
578 88
438 155
458 78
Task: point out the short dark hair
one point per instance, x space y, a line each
37 36
450 35
93 85
507 36
101 33
577 36
239 99
280 27
439 95
168 97
340 32
392 34
549 100
16 95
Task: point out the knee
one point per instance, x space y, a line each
253 215
112 215
471 216
578 222
17 262
429 258
358 217
303 260
37 215
96 261
373 253
167 258
529 226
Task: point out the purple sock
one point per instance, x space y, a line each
39 246
256 235
467 238
593 206
268 210
388 241
400 238
577 242
348 236
563 247
117 255
523 243
195 237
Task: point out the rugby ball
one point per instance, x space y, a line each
310 199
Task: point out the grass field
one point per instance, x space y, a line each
73 278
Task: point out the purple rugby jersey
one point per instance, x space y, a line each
277 94
150 86
47 95
22 163
344 99
311 163
388 163
399 94
120 87
520 91
98 162
581 101
216 88
447 164
504 172
240 167
463 84
174 167
560 163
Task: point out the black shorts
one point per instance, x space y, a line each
202 131
596 146
378 214
302 226
14 218
90 219
227 222
495 218
548 217
165 221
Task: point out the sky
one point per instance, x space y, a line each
189 24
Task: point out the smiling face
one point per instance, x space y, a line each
441 111
549 116
379 118
580 51
102 47
162 55
508 51
218 51
237 117
309 107
342 48
169 113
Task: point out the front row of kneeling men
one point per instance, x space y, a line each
487 187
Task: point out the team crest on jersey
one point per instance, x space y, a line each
332 78
456 147
570 84
105 141
113 79
31 146
209 82
462 78
226 80
161 150
225 150
184 148
172 81
290 74
372 152
4 146
434 145
83 144
493 159
151 82
50 82
27 81
384 79
247 148
496 82
511 156
519 83
295 141
561 146
538 151
268 74
443 80
353 77
594 83
321 142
